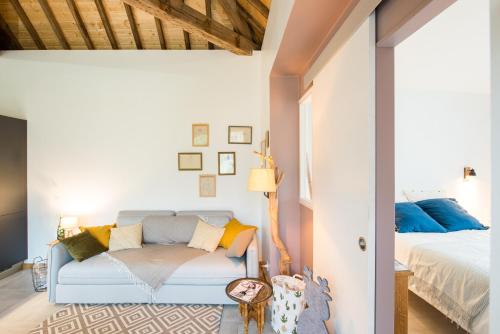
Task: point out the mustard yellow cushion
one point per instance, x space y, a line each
232 229
101 233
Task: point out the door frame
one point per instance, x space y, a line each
396 20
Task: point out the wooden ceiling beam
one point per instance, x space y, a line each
208 13
8 40
54 24
79 23
193 21
258 30
161 35
133 26
239 24
261 8
27 24
106 24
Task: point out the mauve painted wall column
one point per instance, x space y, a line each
284 135
306 237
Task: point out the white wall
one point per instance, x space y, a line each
443 107
104 129
495 230
344 180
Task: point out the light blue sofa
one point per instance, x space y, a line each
200 281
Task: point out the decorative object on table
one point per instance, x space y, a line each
66 227
468 173
227 163
239 134
101 233
268 180
254 309
83 246
288 303
188 161
207 185
317 295
200 135
134 318
39 274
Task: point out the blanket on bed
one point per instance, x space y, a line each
453 276
151 266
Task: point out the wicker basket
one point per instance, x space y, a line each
39 274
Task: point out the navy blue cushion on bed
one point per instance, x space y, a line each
411 218
450 214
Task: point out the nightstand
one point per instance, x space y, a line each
402 274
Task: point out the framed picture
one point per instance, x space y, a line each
190 161
227 163
207 185
239 134
200 134
267 139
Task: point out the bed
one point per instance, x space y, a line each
451 272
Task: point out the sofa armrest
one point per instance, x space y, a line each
253 258
58 256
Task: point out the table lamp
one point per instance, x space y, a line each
267 180
66 227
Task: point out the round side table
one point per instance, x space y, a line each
255 309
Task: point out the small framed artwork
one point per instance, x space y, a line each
207 186
200 134
239 134
190 161
227 163
267 139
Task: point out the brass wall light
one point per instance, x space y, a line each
469 172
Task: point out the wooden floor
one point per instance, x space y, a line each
21 309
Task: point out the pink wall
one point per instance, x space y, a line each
285 151
306 237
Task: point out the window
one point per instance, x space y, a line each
306 149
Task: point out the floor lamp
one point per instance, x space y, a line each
268 180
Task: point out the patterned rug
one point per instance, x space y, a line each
133 319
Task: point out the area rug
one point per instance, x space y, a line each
133 319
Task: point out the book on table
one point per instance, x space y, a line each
246 290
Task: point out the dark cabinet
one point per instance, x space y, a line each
13 192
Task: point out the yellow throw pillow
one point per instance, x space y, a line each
232 229
101 233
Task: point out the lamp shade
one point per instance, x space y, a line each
262 180
69 222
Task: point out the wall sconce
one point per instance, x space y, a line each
469 172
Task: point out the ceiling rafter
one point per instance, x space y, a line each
161 35
208 13
27 24
54 24
79 23
257 29
8 40
133 26
261 8
193 21
240 25
106 24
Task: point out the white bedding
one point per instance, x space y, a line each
451 273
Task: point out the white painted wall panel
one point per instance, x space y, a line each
344 180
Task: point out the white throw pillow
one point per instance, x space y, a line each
420 195
206 236
126 237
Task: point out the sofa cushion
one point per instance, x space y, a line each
168 230
210 269
132 217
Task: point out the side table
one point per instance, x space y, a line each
255 309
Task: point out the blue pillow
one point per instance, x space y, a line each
450 214
411 218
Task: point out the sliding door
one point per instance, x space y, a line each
344 181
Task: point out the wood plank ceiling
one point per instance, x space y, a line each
235 25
